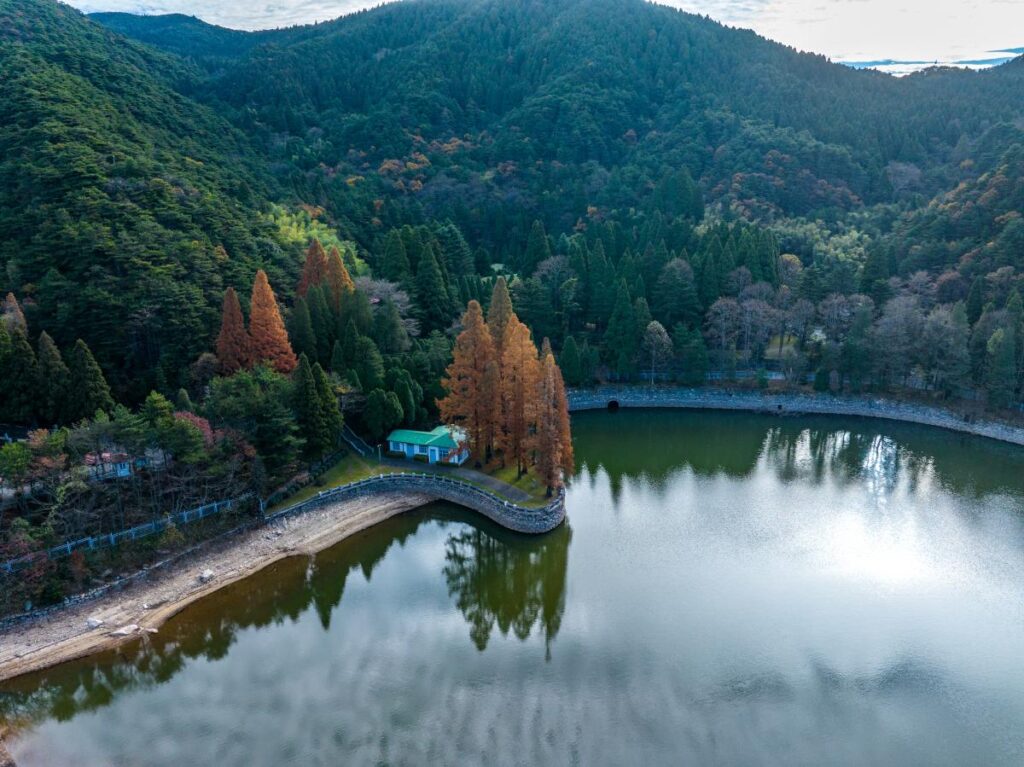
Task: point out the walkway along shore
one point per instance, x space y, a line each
635 396
140 604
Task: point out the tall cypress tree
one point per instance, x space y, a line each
54 382
90 391
300 330
21 373
537 249
498 313
309 409
976 300
266 328
233 345
314 271
395 264
431 293
328 405
569 361
620 339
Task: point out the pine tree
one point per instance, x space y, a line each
323 322
537 249
233 344
431 293
338 359
183 402
90 392
471 400
21 374
314 270
266 329
54 382
339 281
383 412
1001 378
499 312
395 265
675 297
620 339
328 405
300 330
309 410
368 364
520 371
388 330
569 360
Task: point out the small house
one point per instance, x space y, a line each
442 445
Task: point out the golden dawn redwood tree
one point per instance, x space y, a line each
520 373
470 380
269 339
233 352
314 271
338 279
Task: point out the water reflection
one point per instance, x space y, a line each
660 445
495 578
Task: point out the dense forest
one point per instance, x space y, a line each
220 245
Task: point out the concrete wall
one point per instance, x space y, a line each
791 404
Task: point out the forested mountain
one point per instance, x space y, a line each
580 147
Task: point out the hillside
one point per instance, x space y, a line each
140 178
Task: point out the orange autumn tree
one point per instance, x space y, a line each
520 375
471 381
338 279
314 271
552 436
269 339
233 340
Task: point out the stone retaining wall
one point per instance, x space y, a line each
789 404
521 519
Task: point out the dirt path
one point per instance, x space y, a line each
65 635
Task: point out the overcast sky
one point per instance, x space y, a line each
846 30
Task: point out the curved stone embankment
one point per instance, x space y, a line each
788 404
521 519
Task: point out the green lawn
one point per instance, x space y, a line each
772 352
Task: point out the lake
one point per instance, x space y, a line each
730 589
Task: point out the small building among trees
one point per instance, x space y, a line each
441 445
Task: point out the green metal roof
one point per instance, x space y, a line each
439 437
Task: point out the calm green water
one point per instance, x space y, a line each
730 589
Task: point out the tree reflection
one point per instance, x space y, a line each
514 582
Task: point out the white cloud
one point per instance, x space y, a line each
929 30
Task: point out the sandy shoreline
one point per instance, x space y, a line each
64 635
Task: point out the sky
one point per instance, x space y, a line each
941 31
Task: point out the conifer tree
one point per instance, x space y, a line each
323 322
300 330
520 371
266 329
309 410
621 337
54 382
12 315
431 293
537 249
314 270
328 405
498 313
21 375
338 359
552 436
339 281
383 412
569 361
388 330
1001 378
90 392
233 344
471 400
183 402
395 265
368 364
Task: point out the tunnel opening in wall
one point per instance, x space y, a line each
613 405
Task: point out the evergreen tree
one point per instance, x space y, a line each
620 339
975 300
355 308
300 330
90 392
314 270
388 330
569 361
183 402
323 322
54 382
383 412
338 359
395 265
499 312
431 293
537 249
329 407
368 364
266 329
692 355
233 345
1001 379
21 374
309 410
675 297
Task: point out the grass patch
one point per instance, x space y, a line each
351 468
